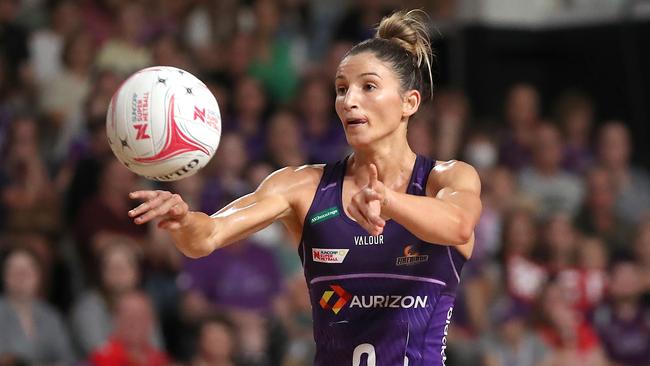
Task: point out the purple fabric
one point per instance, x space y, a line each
243 276
393 293
627 342
513 155
577 159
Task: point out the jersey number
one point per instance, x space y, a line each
368 349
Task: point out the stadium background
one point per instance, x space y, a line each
547 99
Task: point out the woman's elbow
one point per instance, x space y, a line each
464 231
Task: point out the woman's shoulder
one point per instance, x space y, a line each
452 173
89 299
302 175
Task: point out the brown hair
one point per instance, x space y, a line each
402 39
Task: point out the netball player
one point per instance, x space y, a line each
382 234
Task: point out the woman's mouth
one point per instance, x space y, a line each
356 122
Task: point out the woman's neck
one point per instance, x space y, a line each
21 303
394 163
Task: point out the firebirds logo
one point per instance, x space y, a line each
368 301
411 256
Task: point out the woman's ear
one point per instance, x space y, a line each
410 103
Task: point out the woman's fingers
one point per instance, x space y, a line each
143 195
371 207
157 204
179 209
153 200
359 213
359 217
161 207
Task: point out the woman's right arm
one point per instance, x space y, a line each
197 234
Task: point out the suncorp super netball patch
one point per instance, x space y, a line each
329 255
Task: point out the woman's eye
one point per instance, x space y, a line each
369 87
341 90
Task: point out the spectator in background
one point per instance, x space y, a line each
285 146
31 329
225 179
79 173
544 182
632 184
250 108
522 113
27 193
642 252
240 55
559 243
524 276
335 53
92 315
167 50
242 281
513 342
14 46
216 343
271 60
565 331
420 134
323 17
498 196
111 200
294 311
481 151
323 135
623 322
124 53
240 277
575 114
360 20
593 260
450 112
207 24
6 105
598 214
130 343
576 265
100 18
46 45
63 95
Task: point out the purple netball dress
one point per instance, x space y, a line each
382 300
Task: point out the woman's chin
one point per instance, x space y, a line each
359 142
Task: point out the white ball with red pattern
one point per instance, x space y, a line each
163 123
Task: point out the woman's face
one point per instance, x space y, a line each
368 99
521 234
119 271
21 276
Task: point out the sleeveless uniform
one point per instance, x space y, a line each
376 301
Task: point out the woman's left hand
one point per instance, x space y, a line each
366 205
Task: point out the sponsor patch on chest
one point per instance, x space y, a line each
324 215
329 255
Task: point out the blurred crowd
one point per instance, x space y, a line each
560 273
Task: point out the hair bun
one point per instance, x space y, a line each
409 31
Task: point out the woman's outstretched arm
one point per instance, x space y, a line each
196 234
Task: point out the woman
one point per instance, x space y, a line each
388 295
119 273
30 329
